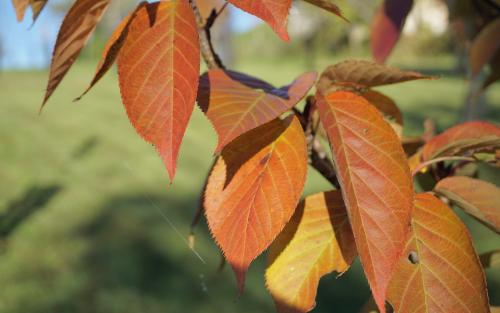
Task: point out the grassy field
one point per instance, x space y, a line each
105 232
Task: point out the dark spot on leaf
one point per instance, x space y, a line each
413 257
264 160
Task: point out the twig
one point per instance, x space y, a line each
423 165
207 50
317 157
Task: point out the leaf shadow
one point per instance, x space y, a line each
19 210
133 250
204 87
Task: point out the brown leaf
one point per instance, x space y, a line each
37 7
254 189
440 271
484 46
113 47
20 6
236 103
387 26
376 182
462 138
74 33
363 74
329 6
318 240
273 12
158 69
476 197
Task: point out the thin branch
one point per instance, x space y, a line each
423 165
208 53
317 156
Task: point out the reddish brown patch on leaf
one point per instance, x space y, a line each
158 69
318 240
273 12
236 103
448 276
478 198
248 202
74 33
387 26
376 183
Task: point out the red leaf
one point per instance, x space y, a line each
318 240
376 183
469 135
273 12
484 46
74 33
478 198
254 189
158 69
236 103
387 26
440 271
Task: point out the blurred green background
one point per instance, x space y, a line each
90 223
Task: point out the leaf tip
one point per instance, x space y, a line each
240 274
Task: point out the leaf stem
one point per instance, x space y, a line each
423 165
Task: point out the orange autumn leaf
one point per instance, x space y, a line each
376 182
476 197
254 189
236 103
158 68
318 240
384 104
440 271
77 26
113 47
461 138
388 108
273 12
